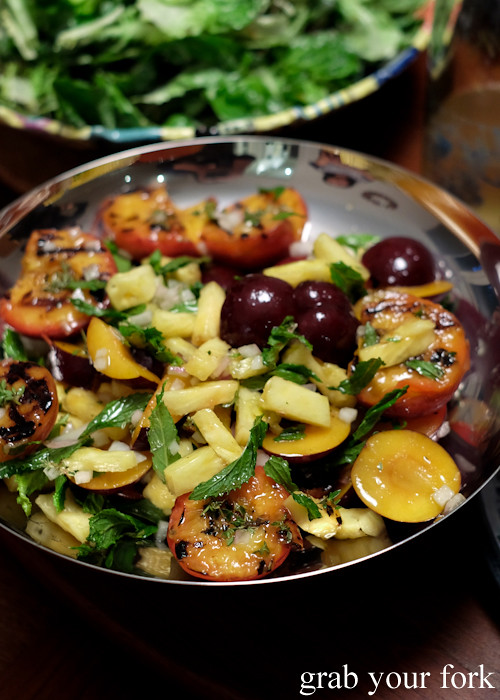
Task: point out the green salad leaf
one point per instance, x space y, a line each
137 63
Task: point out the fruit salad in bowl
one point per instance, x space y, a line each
243 377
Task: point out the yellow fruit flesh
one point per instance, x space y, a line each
404 476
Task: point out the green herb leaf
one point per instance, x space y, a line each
117 413
122 263
313 511
275 191
163 437
278 469
236 473
10 395
293 432
300 374
12 346
27 484
279 338
361 376
425 368
358 241
348 280
370 336
374 412
60 485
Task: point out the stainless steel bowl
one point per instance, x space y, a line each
346 192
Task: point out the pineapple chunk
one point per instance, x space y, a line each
180 346
49 534
327 249
295 402
248 408
92 459
72 518
172 323
207 358
155 561
132 288
159 494
324 527
203 395
358 522
409 339
245 367
296 272
328 373
217 436
207 318
187 472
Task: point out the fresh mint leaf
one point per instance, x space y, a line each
236 473
27 484
45 457
370 336
117 413
60 485
348 280
291 433
425 368
300 374
122 263
373 414
173 265
276 192
163 437
357 241
313 511
279 338
12 346
361 376
278 469
113 539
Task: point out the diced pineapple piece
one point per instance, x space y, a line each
159 494
299 271
207 358
324 527
92 459
295 402
217 436
409 339
358 522
248 408
181 346
202 395
81 403
207 318
132 288
187 472
72 518
329 250
246 367
172 323
329 374
155 561
49 534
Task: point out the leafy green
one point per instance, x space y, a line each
113 539
313 511
117 413
348 280
426 368
291 433
357 241
12 346
362 374
170 62
278 469
236 473
278 339
28 483
163 437
123 264
10 395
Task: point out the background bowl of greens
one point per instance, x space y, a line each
149 70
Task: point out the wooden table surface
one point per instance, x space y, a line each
402 620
